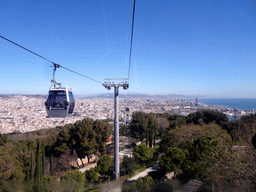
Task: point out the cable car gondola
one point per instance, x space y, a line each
60 102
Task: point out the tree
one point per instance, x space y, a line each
40 167
174 137
39 171
52 183
92 175
75 177
62 163
144 126
124 130
63 143
162 124
51 166
173 159
200 152
207 116
152 129
138 125
105 165
102 133
10 169
84 138
142 184
32 167
143 153
43 159
3 140
241 130
128 166
175 121
216 163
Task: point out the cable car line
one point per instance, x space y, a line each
49 60
80 74
26 49
131 41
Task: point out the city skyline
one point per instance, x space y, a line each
187 47
25 113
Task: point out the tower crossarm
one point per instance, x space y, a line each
116 82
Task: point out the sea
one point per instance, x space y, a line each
242 104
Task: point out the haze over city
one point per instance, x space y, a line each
179 47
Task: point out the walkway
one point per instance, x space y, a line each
145 172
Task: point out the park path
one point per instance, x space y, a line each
141 174
145 172
87 167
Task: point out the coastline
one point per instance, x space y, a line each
240 104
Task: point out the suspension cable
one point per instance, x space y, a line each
49 60
26 49
81 74
131 40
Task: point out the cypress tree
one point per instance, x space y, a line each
150 138
27 175
39 166
51 166
155 137
147 136
31 167
43 162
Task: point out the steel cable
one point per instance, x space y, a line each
49 60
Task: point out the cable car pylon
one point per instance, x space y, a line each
116 83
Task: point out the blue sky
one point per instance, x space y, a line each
191 47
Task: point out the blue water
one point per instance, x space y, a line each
242 104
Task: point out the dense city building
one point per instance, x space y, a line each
24 113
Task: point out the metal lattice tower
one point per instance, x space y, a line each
116 83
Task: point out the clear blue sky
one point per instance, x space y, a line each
180 47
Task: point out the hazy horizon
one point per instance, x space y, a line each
142 94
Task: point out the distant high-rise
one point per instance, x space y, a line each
196 103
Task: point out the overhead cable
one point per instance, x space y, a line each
131 40
49 60
26 49
81 74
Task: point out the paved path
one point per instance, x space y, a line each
87 167
141 174
145 172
